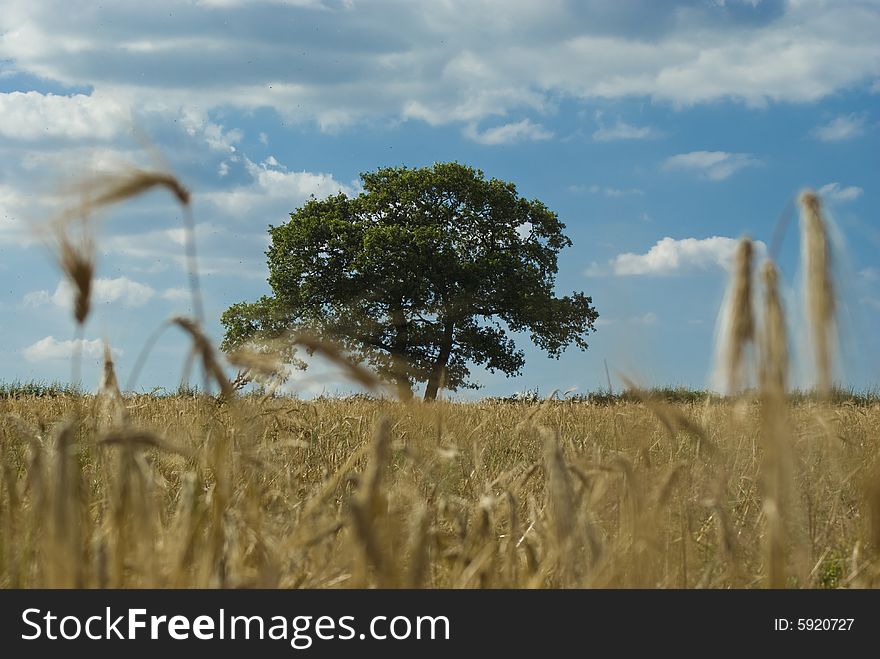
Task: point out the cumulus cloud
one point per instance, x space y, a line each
844 127
35 116
445 61
123 290
622 131
714 165
51 349
836 192
671 256
273 192
520 131
196 124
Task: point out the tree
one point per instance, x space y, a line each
423 273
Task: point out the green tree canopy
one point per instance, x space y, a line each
422 274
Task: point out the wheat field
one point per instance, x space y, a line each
257 492
759 488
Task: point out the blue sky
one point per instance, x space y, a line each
659 132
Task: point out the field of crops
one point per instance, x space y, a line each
193 491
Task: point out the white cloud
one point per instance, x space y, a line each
607 191
35 116
622 131
524 230
123 290
274 192
36 299
225 4
50 349
671 256
104 291
520 131
179 294
74 160
221 251
12 204
844 127
714 165
21 211
835 192
577 188
618 192
442 62
38 181
196 124
725 3
649 318
646 319
178 234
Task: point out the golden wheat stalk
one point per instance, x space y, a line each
109 189
776 463
335 354
774 341
263 366
564 537
819 287
203 348
369 504
559 491
141 439
64 560
72 242
741 329
111 408
419 543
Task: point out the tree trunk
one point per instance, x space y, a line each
399 346
438 374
